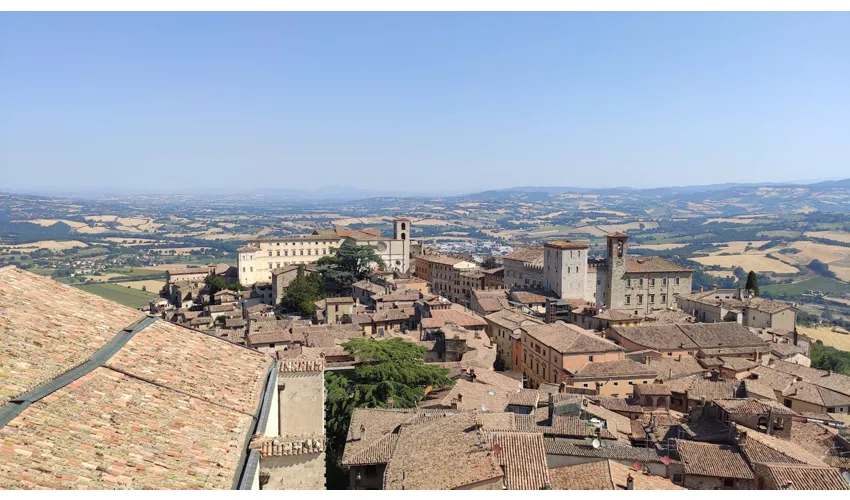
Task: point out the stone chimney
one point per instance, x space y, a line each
742 390
551 406
460 397
701 288
630 482
795 335
740 294
472 376
362 432
646 359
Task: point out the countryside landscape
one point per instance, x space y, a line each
795 237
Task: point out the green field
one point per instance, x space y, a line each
828 286
41 271
137 272
121 294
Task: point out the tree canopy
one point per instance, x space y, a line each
489 262
217 284
392 368
302 293
753 283
348 264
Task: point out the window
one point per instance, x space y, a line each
644 381
640 282
652 298
677 281
615 395
270 253
788 403
728 483
270 265
585 385
628 282
243 269
302 252
628 299
677 478
663 299
278 253
651 281
324 251
271 345
663 281
252 269
590 359
830 410
640 299
616 384
286 253
631 383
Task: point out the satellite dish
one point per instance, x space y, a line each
596 443
619 303
484 407
846 476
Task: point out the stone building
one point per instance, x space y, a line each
444 275
712 306
524 268
260 257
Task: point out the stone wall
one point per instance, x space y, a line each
302 403
295 472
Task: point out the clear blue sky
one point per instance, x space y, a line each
422 101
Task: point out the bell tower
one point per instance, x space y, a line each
616 261
401 235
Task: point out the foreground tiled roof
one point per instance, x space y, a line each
171 409
108 430
560 426
442 454
713 460
800 477
457 317
47 328
523 458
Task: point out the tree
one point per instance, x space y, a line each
392 368
489 262
820 268
753 283
302 293
348 264
740 274
218 284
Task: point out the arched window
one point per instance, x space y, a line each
403 236
403 226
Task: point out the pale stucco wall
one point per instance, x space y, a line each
299 472
302 403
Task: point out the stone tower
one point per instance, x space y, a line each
401 235
565 268
616 260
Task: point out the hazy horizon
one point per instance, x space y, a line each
420 103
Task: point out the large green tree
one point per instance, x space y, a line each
217 284
348 264
302 293
753 283
392 369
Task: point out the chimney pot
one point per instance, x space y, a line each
362 432
630 482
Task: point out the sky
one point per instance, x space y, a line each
421 102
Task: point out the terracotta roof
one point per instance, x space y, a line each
834 381
522 457
567 338
651 390
641 264
751 406
248 249
616 423
738 364
619 368
587 476
669 367
612 451
616 404
712 460
800 477
758 447
822 441
566 245
714 298
811 393
529 254
47 328
457 317
659 337
511 320
606 475
275 337
617 315
525 297
560 426
439 259
339 300
171 409
441 454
